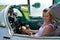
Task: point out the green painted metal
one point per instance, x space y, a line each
56 1
36 5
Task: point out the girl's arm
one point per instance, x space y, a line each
46 30
34 31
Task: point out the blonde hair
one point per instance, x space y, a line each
47 10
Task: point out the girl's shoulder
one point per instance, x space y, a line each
49 26
52 27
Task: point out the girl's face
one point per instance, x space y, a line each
47 17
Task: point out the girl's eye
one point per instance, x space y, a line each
46 16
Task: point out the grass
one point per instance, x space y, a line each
25 11
2 7
23 8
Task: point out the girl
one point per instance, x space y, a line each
46 27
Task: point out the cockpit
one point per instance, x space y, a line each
28 15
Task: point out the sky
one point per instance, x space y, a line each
44 4
7 2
